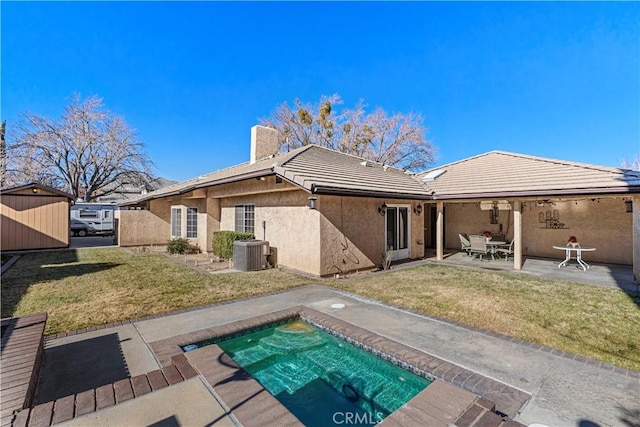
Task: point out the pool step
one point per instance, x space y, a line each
367 383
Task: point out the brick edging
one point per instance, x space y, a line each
86 402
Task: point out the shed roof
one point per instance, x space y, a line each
501 173
36 185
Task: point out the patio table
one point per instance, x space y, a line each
492 245
578 250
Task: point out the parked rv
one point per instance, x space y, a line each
98 217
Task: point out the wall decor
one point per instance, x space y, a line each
551 219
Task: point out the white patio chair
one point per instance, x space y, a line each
506 250
479 246
465 244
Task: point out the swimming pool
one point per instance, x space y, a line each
320 378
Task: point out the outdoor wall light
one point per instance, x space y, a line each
418 209
312 202
628 205
35 190
382 210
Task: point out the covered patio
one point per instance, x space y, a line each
538 204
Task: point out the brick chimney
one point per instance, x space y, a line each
264 142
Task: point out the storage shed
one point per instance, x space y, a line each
34 216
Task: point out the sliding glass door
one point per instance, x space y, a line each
397 231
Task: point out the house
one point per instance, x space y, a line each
34 216
537 203
326 212
127 188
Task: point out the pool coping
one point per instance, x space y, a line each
508 400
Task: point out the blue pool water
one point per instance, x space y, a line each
320 378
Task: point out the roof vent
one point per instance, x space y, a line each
366 164
431 176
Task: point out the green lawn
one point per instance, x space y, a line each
92 287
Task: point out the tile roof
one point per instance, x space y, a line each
502 173
239 172
324 171
497 173
316 169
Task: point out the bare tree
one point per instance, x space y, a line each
631 164
86 152
397 140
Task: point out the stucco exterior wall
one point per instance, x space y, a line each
145 227
212 219
602 222
353 233
290 226
470 219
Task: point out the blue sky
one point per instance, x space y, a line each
558 80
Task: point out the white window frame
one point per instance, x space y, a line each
191 224
176 221
245 218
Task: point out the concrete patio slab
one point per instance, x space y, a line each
81 362
189 403
608 275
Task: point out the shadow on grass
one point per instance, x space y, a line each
39 268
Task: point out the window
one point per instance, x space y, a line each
88 214
245 218
176 222
192 223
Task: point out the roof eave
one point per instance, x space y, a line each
565 192
228 180
337 191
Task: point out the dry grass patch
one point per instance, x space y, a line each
596 322
93 287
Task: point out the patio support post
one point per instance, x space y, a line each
439 231
517 235
635 231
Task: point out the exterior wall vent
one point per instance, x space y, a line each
250 255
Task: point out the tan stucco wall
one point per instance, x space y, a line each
212 219
290 226
602 223
353 233
470 219
145 227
